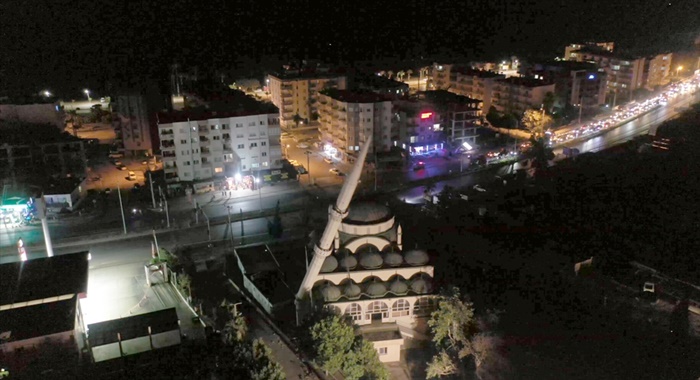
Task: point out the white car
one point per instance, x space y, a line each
302 145
336 172
294 162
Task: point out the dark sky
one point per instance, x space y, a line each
67 45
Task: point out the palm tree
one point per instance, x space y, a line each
235 330
539 154
400 75
409 72
389 74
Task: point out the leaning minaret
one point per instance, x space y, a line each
336 213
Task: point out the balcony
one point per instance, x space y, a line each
206 152
166 144
166 132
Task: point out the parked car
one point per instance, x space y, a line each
131 176
302 145
420 165
116 162
122 167
301 169
328 160
337 172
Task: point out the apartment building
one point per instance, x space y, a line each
35 111
295 93
199 146
420 126
460 116
571 54
624 73
441 74
380 85
658 70
575 83
519 94
347 118
132 124
475 84
31 153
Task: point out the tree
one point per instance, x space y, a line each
400 75
458 334
389 74
337 348
550 99
409 72
539 153
297 119
235 330
264 368
536 122
333 337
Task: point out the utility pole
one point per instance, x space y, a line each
41 208
167 213
155 240
121 208
308 170
230 227
196 212
242 232
153 197
580 109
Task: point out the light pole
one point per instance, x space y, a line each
308 169
121 208
286 151
46 93
87 94
678 71
258 184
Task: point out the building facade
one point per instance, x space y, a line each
659 70
21 161
131 122
39 113
420 126
295 93
347 118
571 54
199 147
475 84
575 83
624 74
516 95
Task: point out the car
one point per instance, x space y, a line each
294 162
328 160
117 163
108 191
420 165
122 167
334 171
145 162
300 169
285 135
302 145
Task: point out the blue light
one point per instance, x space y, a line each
591 76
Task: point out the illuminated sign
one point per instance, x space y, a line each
591 76
426 115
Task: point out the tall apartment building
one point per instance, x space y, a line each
441 74
658 70
575 83
347 118
199 146
460 116
131 120
519 94
420 126
625 74
295 92
475 84
571 54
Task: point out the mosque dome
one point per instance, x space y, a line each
352 290
371 260
367 213
348 261
393 259
416 257
421 285
330 292
329 264
398 286
376 289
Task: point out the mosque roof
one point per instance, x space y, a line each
367 213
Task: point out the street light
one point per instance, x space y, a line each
46 93
87 93
678 70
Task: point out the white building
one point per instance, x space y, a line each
296 93
360 269
347 118
199 147
520 94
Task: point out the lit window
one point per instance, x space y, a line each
218 170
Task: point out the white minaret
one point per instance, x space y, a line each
336 213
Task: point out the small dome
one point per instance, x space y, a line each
330 292
416 257
348 262
376 289
367 213
351 290
393 259
398 287
371 260
329 264
420 285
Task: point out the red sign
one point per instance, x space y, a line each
426 115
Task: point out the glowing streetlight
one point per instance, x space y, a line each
678 70
46 93
87 93
237 177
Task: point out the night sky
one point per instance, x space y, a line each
69 45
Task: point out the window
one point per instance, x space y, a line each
424 306
378 310
217 137
239 125
241 146
252 134
239 136
253 145
263 143
262 122
254 165
251 124
218 170
187 163
382 351
400 308
264 164
196 162
183 141
185 152
264 154
224 126
354 311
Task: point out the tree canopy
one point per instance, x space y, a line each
536 122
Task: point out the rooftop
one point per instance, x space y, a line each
218 103
378 81
565 65
20 133
605 53
266 272
43 278
357 96
525 82
46 319
133 326
446 97
380 333
308 73
477 73
367 213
